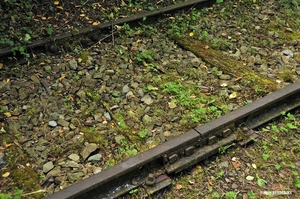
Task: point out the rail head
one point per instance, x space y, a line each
176 154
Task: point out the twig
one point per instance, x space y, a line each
39 191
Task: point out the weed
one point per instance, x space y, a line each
223 149
260 182
17 194
220 174
251 194
230 195
143 134
215 195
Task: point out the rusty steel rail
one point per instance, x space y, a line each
151 168
53 44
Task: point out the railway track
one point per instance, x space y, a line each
57 44
153 169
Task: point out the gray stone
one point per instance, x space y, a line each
88 149
264 67
110 72
244 49
125 89
52 123
234 186
97 170
257 59
236 87
97 75
224 164
288 53
75 176
147 119
96 157
70 163
107 115
48 167
73 64
263 52
225 77
147 99
81 94
74 157
2 162
63 123
196 62
23 93
141 92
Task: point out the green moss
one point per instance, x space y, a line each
84 55
228 65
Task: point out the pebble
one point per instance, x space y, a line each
52 123
2 162
75 176
48 167
74 157
288 53
63 123
125 89
69 163
73 64
107 116
225 77
110 72
224 164
147 99
96 157
88 149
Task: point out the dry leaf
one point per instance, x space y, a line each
6 174
60 7
172 105
249 178
96 23
7 114
178 186
236 164
56 2
232 95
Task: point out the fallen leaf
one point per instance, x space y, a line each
172 105
249 178
96 23
7 114
232 95
8 145
254 165
178 186
6 174
60 7
56 2
236 164
281 175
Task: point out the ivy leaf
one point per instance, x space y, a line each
27 37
